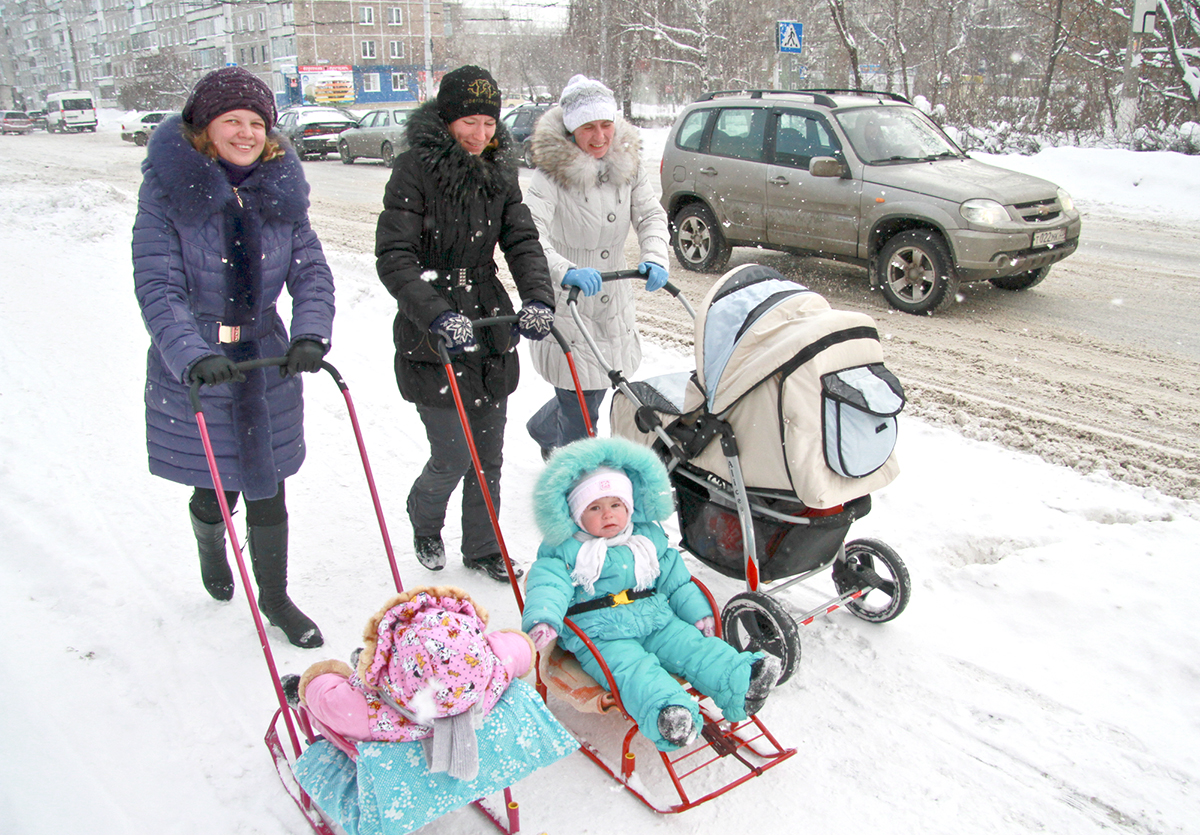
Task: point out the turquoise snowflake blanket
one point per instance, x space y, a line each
390 791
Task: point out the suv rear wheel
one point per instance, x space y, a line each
914 271
388 153
1020 281
699 244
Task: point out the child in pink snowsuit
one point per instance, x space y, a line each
427 670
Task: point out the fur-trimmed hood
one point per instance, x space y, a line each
194 186
569 166
652 498
461 174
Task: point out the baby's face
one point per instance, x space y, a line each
605 517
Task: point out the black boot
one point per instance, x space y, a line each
214 565
268 552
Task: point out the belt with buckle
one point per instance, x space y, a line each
609 600
223 334
457 277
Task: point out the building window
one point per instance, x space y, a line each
399 82
395 17
262 21
254 55
242 55
370 82
368 49
396 49
368 14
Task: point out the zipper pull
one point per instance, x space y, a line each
238 197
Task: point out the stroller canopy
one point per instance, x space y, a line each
748 328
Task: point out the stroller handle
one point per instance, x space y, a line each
265 362
620 275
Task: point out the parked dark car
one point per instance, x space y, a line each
313 130
38 117
858 176
138 131
15 121
520 122
379 134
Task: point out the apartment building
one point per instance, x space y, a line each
346 51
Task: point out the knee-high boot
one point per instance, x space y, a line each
268 552
214 564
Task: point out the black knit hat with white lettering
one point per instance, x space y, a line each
468 91
229 88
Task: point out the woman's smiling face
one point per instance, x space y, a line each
473 132
238 136
595 138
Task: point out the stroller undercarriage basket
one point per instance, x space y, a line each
789 538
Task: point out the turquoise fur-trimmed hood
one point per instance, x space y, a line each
652 497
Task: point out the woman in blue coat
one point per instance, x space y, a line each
605 562
222 227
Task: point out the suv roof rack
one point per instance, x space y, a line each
821 96
833 91
817 95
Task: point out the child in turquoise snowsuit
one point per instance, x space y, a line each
598 505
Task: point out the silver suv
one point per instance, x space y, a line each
857 176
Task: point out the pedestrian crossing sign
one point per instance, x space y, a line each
790 36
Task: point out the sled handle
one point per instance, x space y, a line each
270 362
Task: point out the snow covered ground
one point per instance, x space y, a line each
1042 679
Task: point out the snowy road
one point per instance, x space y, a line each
1097 368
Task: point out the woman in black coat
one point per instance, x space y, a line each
451 198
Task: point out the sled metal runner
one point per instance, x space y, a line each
295 722
748 743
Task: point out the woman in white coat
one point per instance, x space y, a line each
589 189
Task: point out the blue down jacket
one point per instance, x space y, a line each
648 640
196 238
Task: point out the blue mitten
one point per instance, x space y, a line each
585 278
455 329
656 275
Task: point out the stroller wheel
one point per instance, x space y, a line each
753 621
874 567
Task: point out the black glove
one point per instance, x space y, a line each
304 355
216 369
455 329
535 320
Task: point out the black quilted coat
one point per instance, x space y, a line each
444 211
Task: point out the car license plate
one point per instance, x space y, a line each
1049 236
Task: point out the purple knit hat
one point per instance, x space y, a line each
229 88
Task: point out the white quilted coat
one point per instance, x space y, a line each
584 209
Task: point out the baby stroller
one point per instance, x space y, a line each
774 444
376 798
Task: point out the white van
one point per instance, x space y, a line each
71 110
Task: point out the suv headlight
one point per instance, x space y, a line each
984 212
1065 200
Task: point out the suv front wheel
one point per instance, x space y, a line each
914 271
699 244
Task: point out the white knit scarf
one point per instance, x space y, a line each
590 560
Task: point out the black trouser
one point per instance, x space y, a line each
207 508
